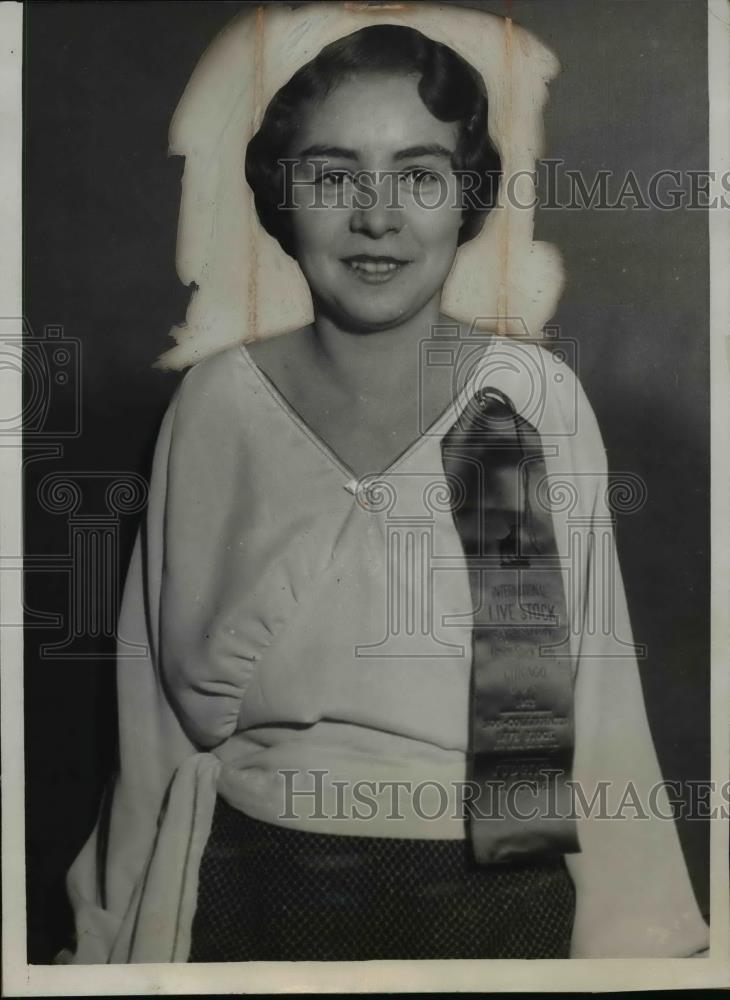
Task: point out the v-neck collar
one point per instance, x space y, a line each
446 417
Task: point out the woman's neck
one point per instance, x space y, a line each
377 363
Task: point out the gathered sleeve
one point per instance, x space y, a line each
113 870
634 895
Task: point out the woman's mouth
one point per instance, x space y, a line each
374 270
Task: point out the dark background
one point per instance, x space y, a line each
101 203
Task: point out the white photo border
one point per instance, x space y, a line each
21 979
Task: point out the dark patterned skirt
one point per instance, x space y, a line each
268 893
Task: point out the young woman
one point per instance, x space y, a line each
308 586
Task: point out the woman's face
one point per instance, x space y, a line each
375 216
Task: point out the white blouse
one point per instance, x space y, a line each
300 629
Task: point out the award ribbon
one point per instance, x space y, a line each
522 729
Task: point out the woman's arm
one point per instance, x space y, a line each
634 896
103 879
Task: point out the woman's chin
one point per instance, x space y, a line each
375 315
373 323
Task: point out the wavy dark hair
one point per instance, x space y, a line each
450 88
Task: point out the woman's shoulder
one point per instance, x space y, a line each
227 390
213 373
217 383
223 370
209 398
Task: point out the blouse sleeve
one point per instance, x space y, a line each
110 870
634 896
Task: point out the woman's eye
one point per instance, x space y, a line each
418 176
334 178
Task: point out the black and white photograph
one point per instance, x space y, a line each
365 496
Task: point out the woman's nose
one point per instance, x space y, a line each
376 210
